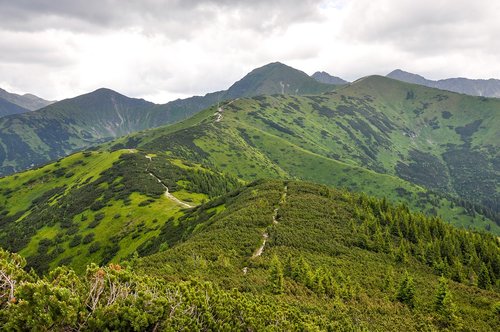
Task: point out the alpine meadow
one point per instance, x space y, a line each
284 201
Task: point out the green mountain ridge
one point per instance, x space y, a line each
112 196
413 139
228 219
33 138
276 78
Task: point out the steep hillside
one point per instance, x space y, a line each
27 101
377 135
277 255
34 138
313 246
485 88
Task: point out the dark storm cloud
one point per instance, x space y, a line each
154 16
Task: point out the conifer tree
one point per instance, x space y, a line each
406 292
318 281
276 277
401 253
483 279
388 284
441 294
444 306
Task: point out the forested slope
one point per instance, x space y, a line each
332 260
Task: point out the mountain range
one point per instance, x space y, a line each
280 203
379 136
485 88
31 139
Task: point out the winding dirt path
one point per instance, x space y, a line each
167 193
265 236
220 109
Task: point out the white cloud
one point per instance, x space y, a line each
162 50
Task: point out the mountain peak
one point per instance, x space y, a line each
106 91
408 77
276 78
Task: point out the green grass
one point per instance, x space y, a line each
33 183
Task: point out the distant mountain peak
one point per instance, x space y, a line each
324 77
27 101
473 87
106 91
408 77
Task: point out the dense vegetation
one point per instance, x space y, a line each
338 255
365 274
114 298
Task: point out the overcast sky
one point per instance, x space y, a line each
165 49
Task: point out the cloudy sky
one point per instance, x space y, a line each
165 49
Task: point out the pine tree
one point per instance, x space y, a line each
401 253
441 294
318 282
276 276
483 279
388 283
406 292
444 306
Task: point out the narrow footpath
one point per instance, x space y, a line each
265 235
220 110
167 193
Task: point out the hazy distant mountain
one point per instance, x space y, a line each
27 101
326 78
8 108
485 88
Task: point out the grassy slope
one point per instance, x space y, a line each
336 138
60 201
